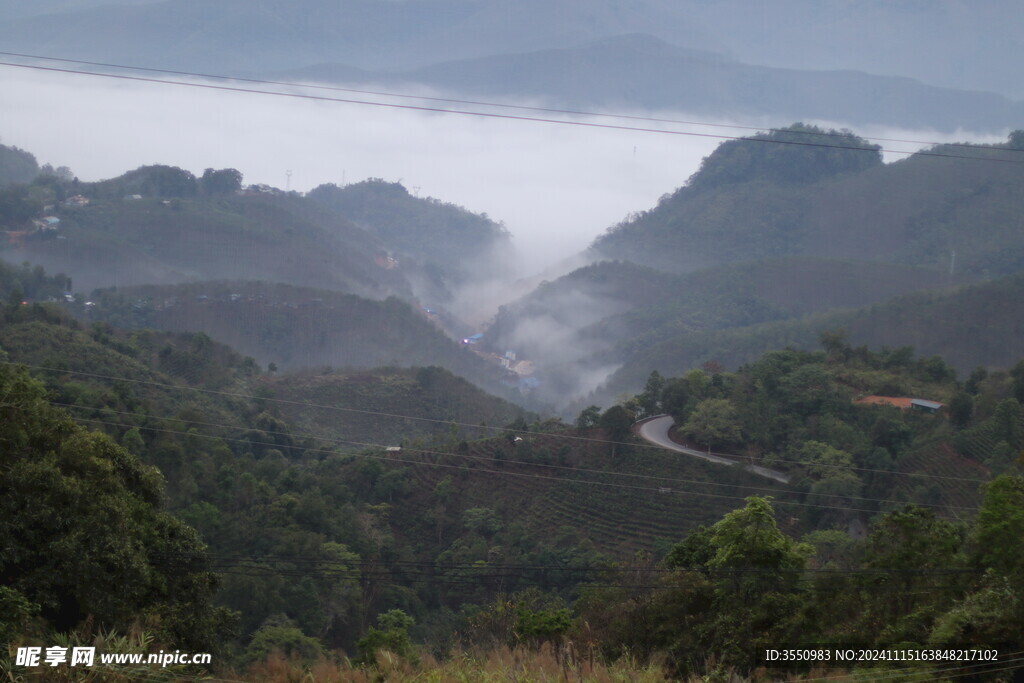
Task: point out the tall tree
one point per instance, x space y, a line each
650 399
84 533
224 181
755 590
714 422
910 551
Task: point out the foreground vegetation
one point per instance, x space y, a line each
569 550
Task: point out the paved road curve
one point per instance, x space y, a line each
655 430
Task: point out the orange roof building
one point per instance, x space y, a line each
903 403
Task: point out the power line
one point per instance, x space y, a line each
503 105
541 574
425 565
463 468
464 456
495 115
303 404
581 578
502 472
306 404
514 581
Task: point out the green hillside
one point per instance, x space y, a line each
297 327
314 539
452 243
257 485
753 293
165 225
969 326
755 198
572 494
31 283
386 405
175 233
634 304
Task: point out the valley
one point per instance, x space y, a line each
291 397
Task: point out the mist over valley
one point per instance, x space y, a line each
550 190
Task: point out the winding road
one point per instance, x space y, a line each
655 430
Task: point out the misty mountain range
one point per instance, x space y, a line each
763 234
901 64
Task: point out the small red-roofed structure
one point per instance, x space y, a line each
902 402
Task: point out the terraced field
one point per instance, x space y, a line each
638 499
955 481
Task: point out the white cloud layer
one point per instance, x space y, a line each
556 187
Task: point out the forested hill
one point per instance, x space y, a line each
826 193
16 166
580 533
295 327
162 225
976 325
447 238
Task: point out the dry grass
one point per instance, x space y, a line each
497 665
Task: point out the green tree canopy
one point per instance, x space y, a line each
714 422
224 181
996 541
84 533
616 421
797 154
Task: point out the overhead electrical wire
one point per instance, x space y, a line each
502 105
463 468
424 565
956 579
572 437
496 115
461 456
516 581
540 574
464 456
661 490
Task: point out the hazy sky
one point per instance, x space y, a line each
555 186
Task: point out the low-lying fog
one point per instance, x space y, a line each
555 186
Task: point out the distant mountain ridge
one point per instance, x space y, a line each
950 43
791 64
638 70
